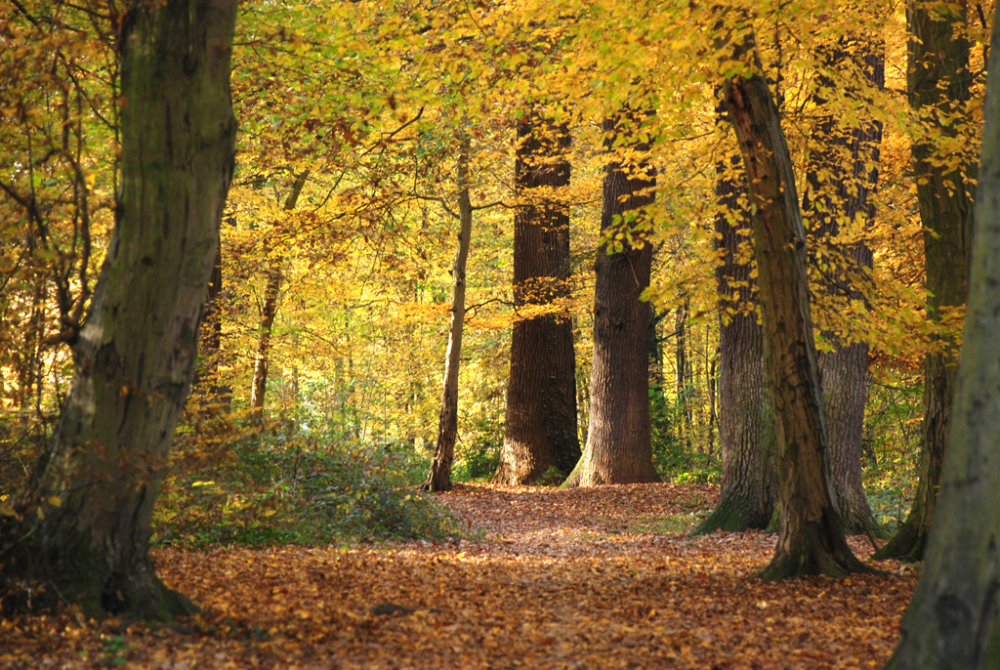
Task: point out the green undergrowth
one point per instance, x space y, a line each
277 487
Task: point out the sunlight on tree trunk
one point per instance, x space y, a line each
85 522
953 620
439 477
938 83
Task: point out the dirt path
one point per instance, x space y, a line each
559 579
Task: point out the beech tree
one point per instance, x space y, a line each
938 86
841 175
953 620
618 449
83 526
439 476
540 429
811 539
748 486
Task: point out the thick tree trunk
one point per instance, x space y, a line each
811 539
618 447
269 310
953 620
840 181
439 477
540 430
746 430
85 523
937 79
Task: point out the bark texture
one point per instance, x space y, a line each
540 430
938 83
85 523
746 430
811 538
618 447
439 477
953 620
269 309
843 171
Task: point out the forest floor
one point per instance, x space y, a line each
584 578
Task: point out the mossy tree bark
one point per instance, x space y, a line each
269 309
540 430
938 82
811 539
953 620
84 524
618 449
439 477
748 487
842 173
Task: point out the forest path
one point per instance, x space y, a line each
586 578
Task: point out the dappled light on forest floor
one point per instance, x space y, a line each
584 578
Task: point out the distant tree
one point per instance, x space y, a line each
269 309
840 178
439 477
938 81
953 620
811 538
540 427
82 528
748 486
618 449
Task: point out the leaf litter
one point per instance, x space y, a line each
584 578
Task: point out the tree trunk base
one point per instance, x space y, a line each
907 545
732 515
811 556
39 576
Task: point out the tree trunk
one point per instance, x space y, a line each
85 521
269 310
811 539
746 429
839 184
937 79
681 383
439 477
618 447
953 620
540 430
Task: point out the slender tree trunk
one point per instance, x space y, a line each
618 447
439 477
681 377
85 524
839 185
953 620
938 82
811 539
269 310
540 430
746 430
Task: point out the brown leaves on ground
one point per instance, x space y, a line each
585 578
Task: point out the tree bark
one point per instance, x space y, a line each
84 523
938 82
540 430
811 539
439 477
618 447
269 310
953 620
746 430
840 181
